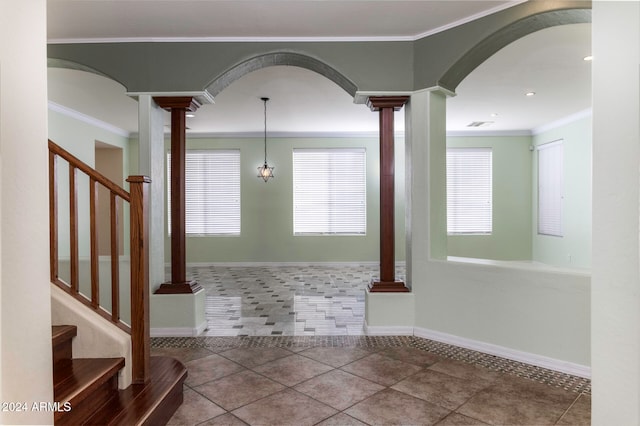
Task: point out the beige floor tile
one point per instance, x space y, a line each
495 407
236 390
183 355
292 370
338 389
540 392
455 419
341 419
465 371
335 357
252 357
224 420
391 407
446 391
381 369
579 413
203 370
411 355
195 409
285 408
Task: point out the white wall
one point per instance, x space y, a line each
25 348
616 204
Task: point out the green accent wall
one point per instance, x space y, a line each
511 236
267 208
79 138
573 249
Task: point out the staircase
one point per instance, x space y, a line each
86 389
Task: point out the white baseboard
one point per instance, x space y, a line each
279 264
178 331
387 330
512 354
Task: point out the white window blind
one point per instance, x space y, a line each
329 191
469 191
212 194
550 188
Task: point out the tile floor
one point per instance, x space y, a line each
285 346
286 300
362 380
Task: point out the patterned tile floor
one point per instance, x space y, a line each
365 380
285 347
285 301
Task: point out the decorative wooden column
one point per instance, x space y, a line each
387 105
178 106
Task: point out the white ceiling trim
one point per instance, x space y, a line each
88 119
286 39
563 121
204 97
226 39
361 97
468 19
281 135
480 133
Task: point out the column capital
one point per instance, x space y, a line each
189 103
376 103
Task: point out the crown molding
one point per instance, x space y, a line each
203 97
88 119
468 19
281 135
481 133
228 39
563 121
256 39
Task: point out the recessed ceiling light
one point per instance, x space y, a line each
494 114
530 94
588 58
190 115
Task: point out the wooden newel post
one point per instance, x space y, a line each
140 333
386 105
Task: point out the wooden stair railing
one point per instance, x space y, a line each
139 257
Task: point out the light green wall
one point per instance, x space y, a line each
573 249
267 208
79 138
529 309
511 236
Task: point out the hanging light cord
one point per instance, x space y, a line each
265 129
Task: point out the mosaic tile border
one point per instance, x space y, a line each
491 362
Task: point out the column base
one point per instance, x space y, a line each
187 287
387 287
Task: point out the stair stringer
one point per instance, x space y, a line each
97 337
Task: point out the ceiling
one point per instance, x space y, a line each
548 62
95 20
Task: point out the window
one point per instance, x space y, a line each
329 191
469 191
550 188
212 197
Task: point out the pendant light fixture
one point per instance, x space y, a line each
265 172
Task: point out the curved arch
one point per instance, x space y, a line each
280 58
496 41
66 64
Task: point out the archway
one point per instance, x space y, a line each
492 114
501 38
281 58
